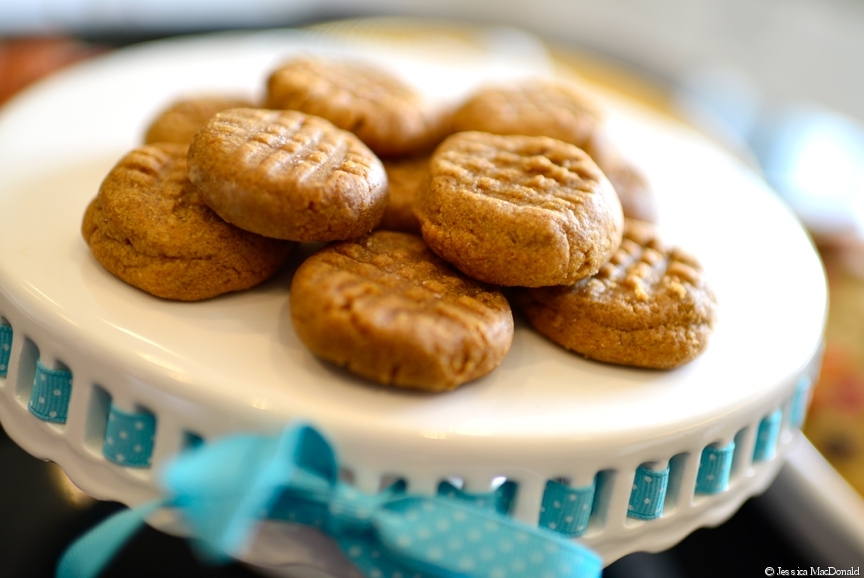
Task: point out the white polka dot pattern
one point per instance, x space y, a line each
480 543
393 534
129 438
222 489
649 493
766 437
714 467
566 510
49 398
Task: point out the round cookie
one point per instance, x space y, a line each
181 119
387 114
519 210
648 307
387 309
149 227
637 198
406 178
288 175
534 108
558 110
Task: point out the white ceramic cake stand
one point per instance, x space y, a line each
230 364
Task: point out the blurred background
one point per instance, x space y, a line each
778 82
794 50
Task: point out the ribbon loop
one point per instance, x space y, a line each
223 489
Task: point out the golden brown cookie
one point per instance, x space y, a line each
519 210
406 178
648 307
387 114
387 309
288 175
558 110
532 108
149 227
636 195
634 191
179 121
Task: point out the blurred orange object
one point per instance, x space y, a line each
27 59
835 422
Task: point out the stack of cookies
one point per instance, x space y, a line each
431 214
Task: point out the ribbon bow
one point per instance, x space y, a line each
224 489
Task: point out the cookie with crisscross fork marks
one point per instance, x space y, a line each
649 306
564 111
536 108
288 175
149 227
390 116
518 210
386 308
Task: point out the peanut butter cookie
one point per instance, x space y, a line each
636 195
648 307
387 114
387 309
149 227
406 178
558 110
519 210
179 121
288 175
535 108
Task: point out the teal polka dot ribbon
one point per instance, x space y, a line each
714 468
5 348
129 438
799 402
223 489
766 437
648 494
52 390
565 509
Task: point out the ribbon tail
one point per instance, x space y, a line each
93 551
446 538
